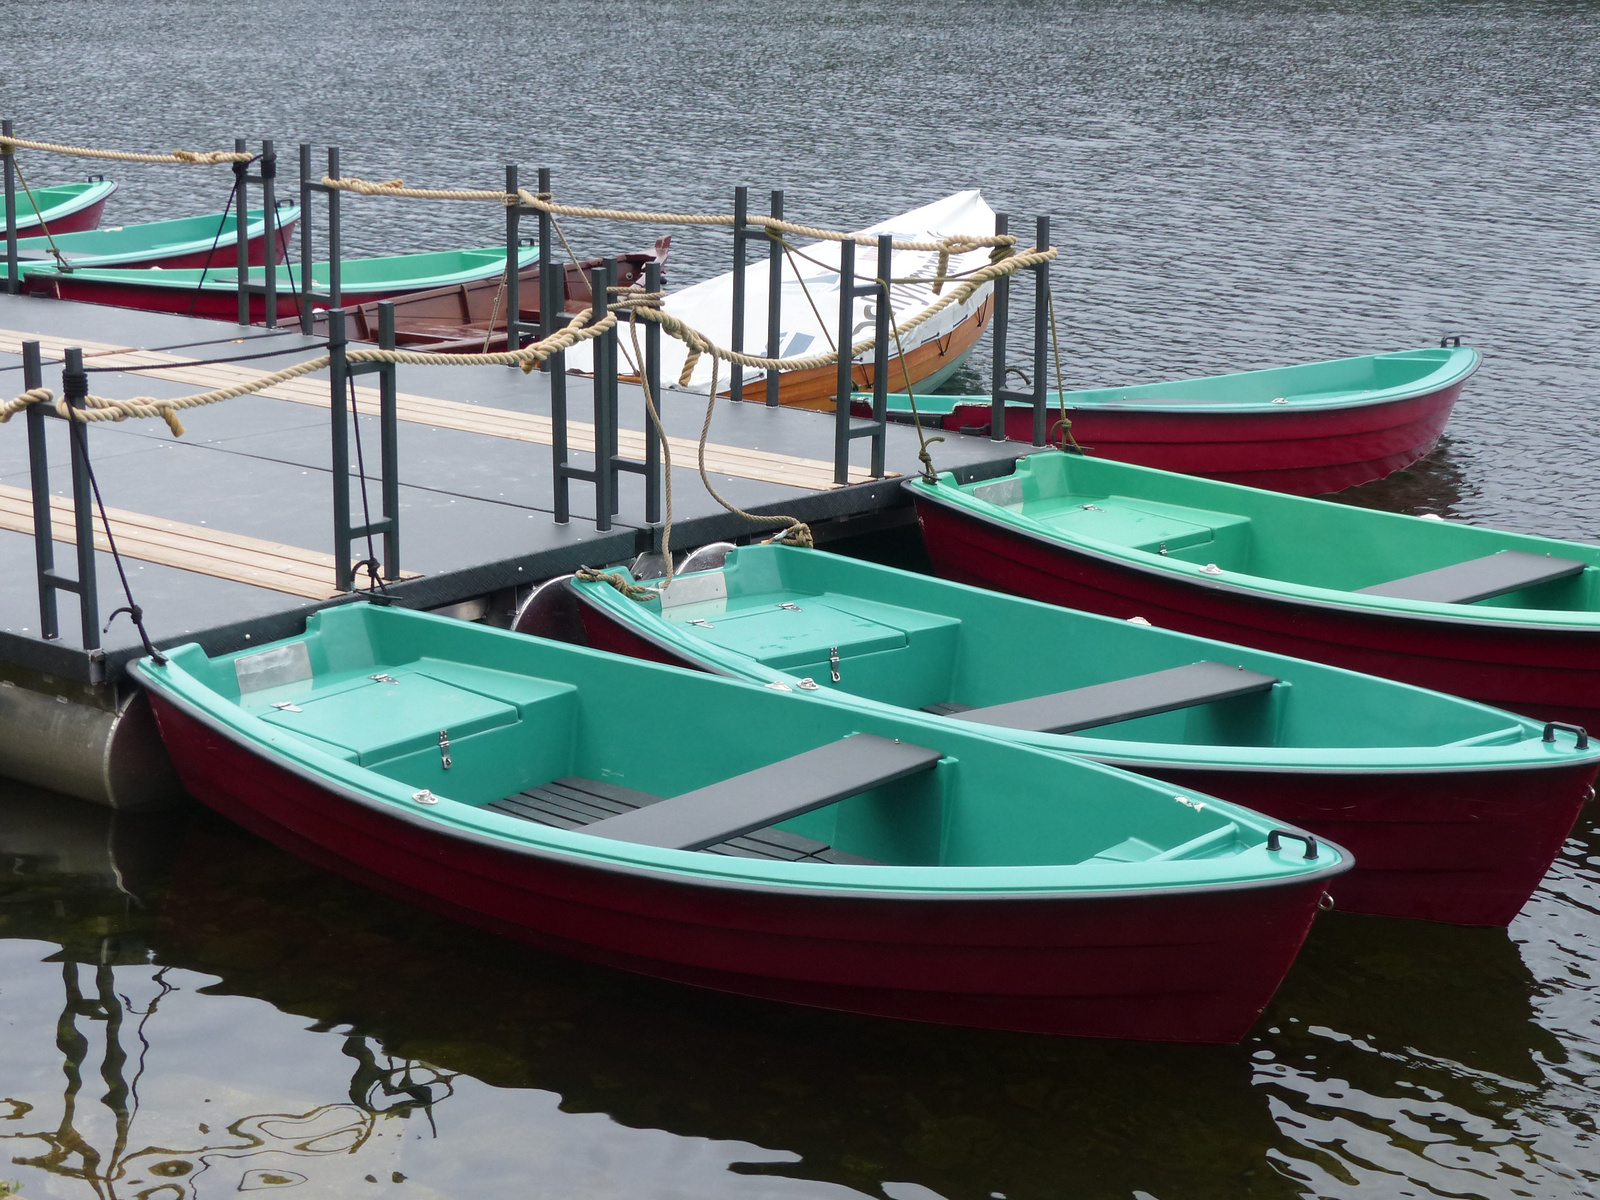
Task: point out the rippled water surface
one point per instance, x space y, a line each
186 1012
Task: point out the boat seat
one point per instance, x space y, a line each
1479 578
574 803
1118 700
769 794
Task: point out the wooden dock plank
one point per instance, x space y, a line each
206 551
741 462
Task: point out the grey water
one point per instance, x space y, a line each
186 1012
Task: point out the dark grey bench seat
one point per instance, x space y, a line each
1118 700
1479 578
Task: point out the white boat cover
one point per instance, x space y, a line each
708 306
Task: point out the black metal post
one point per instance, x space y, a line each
513 288
75 388
335 299
44 552
774 300
13 272
307 286
1002 319
1041 333
339 439
605 403
269 205
652 376
883 330
389 434
845 382
741 228
241 234
552 299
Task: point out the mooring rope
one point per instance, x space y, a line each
632 591
9 145
954 244
798 532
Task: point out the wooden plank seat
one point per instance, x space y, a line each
1479 578
574 802
1118 700
722 811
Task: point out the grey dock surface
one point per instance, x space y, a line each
243 499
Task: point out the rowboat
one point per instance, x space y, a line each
1454 811
214 292
809 310
1508 619
470 318
185 242
1307 429
806 851
62 207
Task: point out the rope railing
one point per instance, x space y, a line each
9 145
955 244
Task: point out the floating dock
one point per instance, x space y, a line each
228 533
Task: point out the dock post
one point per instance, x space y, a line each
335 299
1041 334
13 273
241 235
1002 319
75 388
389 437
741 230
307 326
845 383
774 298
269 205
338 383
513 288
605 376
652 376
44 550
883 330
551 298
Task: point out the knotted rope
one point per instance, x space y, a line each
956 244
177 157
632 591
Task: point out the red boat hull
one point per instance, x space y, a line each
1548 673
87 217
1197 966
1464 848
1305 452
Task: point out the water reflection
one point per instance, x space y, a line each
290 1027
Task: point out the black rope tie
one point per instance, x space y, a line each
370 564
76 385
222 224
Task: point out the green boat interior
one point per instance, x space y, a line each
1293 539
150 237
524 730
409 271
1307 384
919 643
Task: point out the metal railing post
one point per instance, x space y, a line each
1002 320
389 436
339 439
335 299
845 382
241 234
269 205
513 289
741 229
13 272
552 299
652 376
774 299
882 330
1041 333
75 388
307 285
605 377
44 552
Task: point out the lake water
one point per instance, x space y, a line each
185 1012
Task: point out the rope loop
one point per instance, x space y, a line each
632 591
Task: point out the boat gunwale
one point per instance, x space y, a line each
1275 590
1444 376
1119 753
92 191
254 228
730 874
